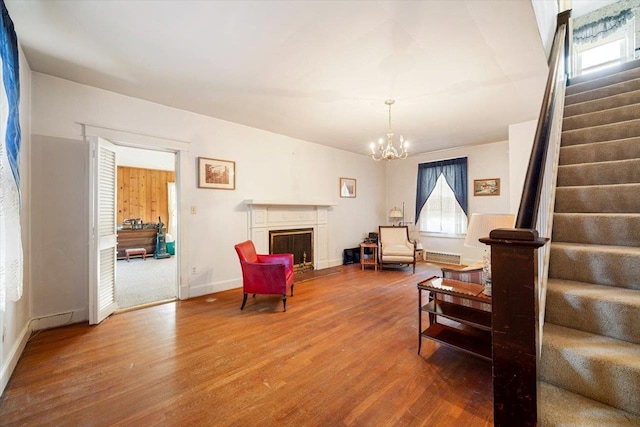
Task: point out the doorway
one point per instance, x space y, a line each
101 164
146 200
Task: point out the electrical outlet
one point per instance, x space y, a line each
194 210
194 271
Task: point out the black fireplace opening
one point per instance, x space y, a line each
298 242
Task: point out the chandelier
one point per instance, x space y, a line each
389 152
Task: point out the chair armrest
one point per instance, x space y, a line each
286 259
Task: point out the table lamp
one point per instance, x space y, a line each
395 213
480 226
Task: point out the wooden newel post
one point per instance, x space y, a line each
514 324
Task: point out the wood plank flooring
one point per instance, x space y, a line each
344 354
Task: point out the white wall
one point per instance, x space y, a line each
484 161
146 159
546 12
268 166
14 321
520 143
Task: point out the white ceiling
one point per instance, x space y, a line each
460 71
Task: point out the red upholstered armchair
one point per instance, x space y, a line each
265 274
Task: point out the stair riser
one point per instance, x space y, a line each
603 268
615 115
600 152
604 173
585 312
603 92
592 377
597 230
598 199
609 80
628 98
621 130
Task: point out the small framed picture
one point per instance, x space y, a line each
347 187
486 187
216 173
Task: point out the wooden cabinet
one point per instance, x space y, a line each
143 238
467 329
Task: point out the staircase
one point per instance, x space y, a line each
590 367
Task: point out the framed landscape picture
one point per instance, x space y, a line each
347 187
216 173
486 187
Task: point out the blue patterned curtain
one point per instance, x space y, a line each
455 173
11 256
601 28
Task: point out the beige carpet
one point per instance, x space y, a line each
590 365
140 282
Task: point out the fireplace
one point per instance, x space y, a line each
298 242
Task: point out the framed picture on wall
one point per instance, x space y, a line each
347 187
216 174
486 187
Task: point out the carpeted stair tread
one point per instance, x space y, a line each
615 198
559 407
602 92
597 309
600 173
597 229
599 264
597 118
619 100
608 79
594 366
608 132
620 149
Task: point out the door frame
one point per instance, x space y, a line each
155 143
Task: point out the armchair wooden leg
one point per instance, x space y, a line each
244 301
284 301
292 288
414 267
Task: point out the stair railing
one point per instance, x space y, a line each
520 258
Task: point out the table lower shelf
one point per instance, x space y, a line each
477 343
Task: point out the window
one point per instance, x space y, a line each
442 212
441 197
601 45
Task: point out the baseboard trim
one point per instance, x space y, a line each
14 356
59 319
198 291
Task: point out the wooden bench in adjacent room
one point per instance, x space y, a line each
134 252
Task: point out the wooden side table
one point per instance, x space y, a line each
369 259
473 334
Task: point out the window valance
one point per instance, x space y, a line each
601 28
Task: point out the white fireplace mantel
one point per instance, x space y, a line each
268 215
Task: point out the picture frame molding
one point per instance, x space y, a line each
346 182
477 183
230 164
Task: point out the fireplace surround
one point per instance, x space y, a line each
268 216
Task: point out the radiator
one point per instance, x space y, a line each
442 257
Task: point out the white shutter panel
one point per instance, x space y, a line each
102 302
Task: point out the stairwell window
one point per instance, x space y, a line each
441 197
605 43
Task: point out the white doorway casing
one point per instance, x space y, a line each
265 216
180 149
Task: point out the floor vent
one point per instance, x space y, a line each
442 257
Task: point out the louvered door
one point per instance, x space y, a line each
103 230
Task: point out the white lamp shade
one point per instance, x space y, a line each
395 213
481 225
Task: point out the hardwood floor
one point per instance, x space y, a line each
344 353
